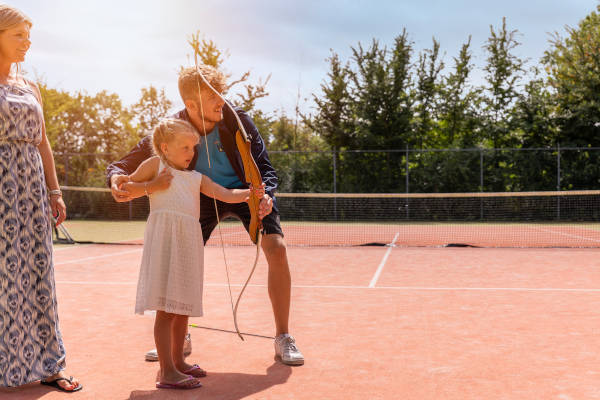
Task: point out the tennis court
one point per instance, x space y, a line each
373 323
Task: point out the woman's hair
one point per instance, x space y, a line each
166 130
10 16
189 79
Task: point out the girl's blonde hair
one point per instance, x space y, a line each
9 17
166 130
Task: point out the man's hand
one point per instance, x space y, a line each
265 206
118 193
259 191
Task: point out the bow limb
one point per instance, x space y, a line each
252 176
254 179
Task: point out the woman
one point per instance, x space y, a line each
31 345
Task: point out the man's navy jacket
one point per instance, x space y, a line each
227 128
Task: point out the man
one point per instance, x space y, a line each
217 126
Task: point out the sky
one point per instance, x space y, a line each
124 46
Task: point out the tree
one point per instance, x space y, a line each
573 66
503 73
427 96
381 94
299 156
458 119
86 132
533 113
150 109
207 52
333 120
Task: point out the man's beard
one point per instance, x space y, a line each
209 118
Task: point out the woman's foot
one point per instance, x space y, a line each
63 382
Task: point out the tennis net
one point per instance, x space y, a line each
507 219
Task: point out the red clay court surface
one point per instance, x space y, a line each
521 235
372 322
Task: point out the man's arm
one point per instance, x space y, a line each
259 153
132 160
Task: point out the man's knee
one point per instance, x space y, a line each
274 245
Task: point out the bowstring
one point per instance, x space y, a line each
259 235
214 199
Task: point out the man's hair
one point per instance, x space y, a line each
166 130
189 79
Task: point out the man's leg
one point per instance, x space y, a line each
280 287
280 281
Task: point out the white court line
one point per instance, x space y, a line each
97 257
70 246
405 288
383 261
566 234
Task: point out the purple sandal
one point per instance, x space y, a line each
185 383
195 371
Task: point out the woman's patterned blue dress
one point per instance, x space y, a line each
31 345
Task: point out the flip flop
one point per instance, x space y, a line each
54 384
182 384
195 371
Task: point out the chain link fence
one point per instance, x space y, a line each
438 170
399 171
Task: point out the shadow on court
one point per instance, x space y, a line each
223 386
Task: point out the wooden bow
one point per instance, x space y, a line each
253 179
252 176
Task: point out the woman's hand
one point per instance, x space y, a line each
58 207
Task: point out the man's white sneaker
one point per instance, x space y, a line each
152 355
286 350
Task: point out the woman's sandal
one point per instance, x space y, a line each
54 383
195 371
185 383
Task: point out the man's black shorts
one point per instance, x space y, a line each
208 220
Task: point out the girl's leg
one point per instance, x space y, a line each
179 330
163 337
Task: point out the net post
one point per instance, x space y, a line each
66 155
334 183
558 180
407 180
481 182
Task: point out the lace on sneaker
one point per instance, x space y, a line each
291 343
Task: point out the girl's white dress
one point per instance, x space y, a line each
172 270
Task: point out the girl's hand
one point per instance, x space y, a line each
59 209
162 180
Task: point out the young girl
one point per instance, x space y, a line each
172 269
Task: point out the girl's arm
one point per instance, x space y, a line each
212 189
145 180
